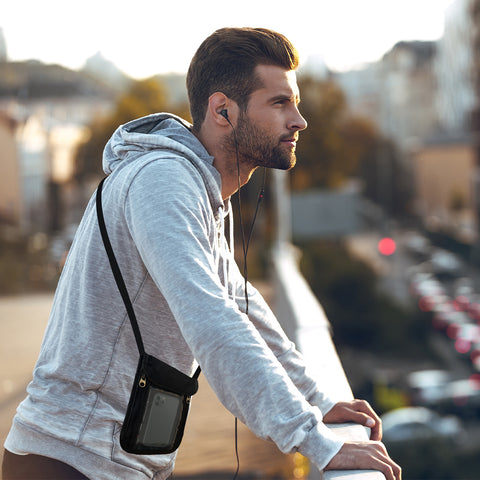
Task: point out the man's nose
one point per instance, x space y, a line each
298 123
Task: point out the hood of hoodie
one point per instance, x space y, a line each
162 132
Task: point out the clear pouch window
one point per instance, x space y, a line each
158 408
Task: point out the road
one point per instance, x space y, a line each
392 270
22 324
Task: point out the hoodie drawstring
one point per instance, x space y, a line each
226 253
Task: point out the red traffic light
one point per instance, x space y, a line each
387 246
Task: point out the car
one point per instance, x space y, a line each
463 286
466 337
475 356
418 245
425 387
446 316
445 263
422 284
419 423
473 309
469 332
462 398
431 303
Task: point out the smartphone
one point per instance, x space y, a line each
161 419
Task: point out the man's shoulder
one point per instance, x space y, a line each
164 165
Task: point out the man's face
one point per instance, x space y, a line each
268 131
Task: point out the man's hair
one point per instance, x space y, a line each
225 62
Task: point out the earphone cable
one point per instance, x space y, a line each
242 231
245 245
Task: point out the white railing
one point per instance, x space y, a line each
304 321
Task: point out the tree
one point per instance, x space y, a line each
334 143
338 145
361 315
387 179
144 97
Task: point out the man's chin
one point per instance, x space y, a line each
288 164
279 162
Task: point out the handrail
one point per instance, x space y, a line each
304 321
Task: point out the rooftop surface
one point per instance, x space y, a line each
208 447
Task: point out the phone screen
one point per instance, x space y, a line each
161 418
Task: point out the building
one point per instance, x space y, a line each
361 88
446 165
455 97
34 165
45 110
11 204
426 96
475 15
407 92
326 213
443 173
397 93
3 47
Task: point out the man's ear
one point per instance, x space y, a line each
218 108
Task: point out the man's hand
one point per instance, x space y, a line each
367 455
357 411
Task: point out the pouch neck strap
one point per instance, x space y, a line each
118 275
116 270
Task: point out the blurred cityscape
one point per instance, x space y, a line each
385 209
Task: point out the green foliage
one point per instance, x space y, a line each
360 315
142 98
12 269
24 263
335 142
338 145
386 179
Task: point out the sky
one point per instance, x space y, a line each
148 37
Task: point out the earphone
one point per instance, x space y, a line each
224 114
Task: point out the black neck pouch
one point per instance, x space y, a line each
160 399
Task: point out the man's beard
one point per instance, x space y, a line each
257 148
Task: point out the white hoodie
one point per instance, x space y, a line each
164 215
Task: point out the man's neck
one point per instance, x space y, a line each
226 164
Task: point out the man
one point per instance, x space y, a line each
164 203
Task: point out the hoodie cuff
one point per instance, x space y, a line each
321 445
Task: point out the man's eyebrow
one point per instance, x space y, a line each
291 98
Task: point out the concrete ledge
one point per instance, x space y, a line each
351 432
305 322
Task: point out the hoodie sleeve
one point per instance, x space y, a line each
170 219
285 350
